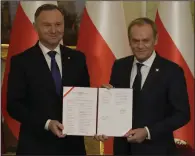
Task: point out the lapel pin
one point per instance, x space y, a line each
157 69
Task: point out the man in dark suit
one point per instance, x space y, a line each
35 91
160 99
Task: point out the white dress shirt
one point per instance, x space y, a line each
144 71
45 51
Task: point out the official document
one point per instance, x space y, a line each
90 111
79 111
114 111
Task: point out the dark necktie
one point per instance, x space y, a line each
137 82
55 72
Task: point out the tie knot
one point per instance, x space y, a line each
139 65
52 54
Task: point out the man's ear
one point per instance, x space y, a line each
156 39
34 25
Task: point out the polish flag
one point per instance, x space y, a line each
176 43
103 38
23 36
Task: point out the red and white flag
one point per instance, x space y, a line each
103 38
23 36
176 43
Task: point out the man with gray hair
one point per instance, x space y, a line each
160 99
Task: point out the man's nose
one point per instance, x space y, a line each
53 29
140 45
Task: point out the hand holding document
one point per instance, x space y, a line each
90 111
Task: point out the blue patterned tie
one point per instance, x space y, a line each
55 72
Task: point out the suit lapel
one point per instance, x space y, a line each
42 68
127 73
66 66
153 74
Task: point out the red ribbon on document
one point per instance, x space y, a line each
68 92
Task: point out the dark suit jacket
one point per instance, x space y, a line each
32 100
163 105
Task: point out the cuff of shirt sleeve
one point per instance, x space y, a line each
148 137
47 124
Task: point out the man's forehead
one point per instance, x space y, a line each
142 34
48 17
48 13
141 31
137 38
144 27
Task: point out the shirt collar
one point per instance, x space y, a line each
148 62
45 50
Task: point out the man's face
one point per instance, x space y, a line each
142 41
50 27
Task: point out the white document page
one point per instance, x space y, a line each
115 111
79 111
